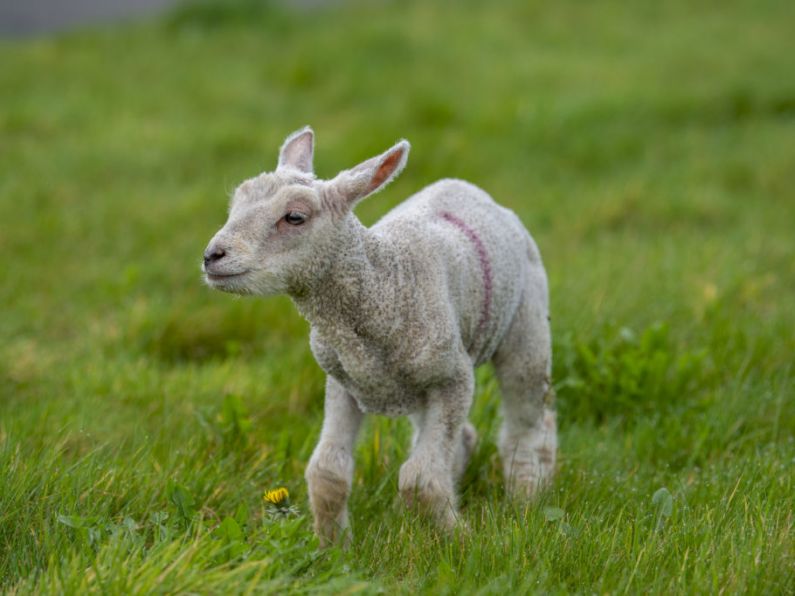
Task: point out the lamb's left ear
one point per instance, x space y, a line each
297 150
371 175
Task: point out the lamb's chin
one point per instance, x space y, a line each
232 284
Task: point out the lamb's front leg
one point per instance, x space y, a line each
427 478
330 470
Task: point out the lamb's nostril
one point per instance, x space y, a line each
214 254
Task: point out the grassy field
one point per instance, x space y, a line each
650 149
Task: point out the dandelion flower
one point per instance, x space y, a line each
278 497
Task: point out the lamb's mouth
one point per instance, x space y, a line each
220 278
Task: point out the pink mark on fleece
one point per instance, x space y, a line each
485 264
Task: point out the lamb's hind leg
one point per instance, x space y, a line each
528 437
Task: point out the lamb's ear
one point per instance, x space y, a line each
373 174
297 150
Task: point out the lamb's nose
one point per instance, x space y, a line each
213 254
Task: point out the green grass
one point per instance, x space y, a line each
649 147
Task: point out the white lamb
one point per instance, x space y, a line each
401 314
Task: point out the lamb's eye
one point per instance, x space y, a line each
295 218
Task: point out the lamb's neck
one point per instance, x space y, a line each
348 297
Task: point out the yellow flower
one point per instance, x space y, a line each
278 497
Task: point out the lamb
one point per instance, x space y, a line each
401 313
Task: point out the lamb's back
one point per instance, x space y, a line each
471 253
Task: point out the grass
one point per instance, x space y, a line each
650 148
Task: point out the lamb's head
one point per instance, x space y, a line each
285 227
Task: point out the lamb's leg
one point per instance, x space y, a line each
528 437
427 477
469 438
330 470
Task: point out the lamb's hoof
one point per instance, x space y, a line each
429 492
526 485
529 460
333 534
328 498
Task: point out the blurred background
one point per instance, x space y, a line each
648 146
37 17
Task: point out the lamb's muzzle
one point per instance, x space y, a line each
401 314
213 254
